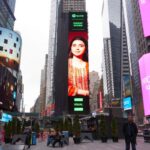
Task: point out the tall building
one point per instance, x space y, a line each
51 56
143 47
61 57
42 95
7 17
115 53
94 90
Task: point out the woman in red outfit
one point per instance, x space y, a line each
78 68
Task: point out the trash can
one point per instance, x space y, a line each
33 138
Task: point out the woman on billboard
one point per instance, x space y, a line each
78 67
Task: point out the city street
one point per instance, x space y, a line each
96 145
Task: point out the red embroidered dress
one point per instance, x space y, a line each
77 78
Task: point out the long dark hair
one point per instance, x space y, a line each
85 55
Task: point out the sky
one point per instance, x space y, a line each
32 22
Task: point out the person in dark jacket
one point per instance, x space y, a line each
130 133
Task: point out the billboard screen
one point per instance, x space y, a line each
10 53
78 65
144 68
6 117
127 104
144 9
127 90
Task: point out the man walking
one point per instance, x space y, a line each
130 133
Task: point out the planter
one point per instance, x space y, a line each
115 139
104 139
76 140
8 140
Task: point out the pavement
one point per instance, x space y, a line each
95 145
85 145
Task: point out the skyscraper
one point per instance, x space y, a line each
7 17
115 54
61 57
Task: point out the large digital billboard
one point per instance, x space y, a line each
10 53
127 103
127 89
145 11
144 67
78 65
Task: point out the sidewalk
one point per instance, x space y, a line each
96 145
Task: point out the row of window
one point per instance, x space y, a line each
6 42
10 51
10 36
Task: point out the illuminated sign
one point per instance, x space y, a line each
127 104
78 65
127 90
6 117
144 9
144 62
10 53
78 21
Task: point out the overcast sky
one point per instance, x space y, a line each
32 21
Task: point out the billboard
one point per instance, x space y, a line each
144 9
10 53
78 65
6 117
127 103
127 90
144 68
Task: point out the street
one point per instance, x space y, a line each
96 145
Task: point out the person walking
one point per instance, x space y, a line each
130 133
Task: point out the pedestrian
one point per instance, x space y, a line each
28 132
130 133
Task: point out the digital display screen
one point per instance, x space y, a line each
127 104
144 9
6 117
144 68
10 53
78 64
127 90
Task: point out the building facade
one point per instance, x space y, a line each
61 57
7 17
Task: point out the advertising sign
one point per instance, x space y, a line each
10 53
115 102
6 117
78 65
144 68
145 11
127 104
127 90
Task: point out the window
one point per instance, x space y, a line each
1 48
17 39
5 41
14 44
17 55
0 32
5 50
10 51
